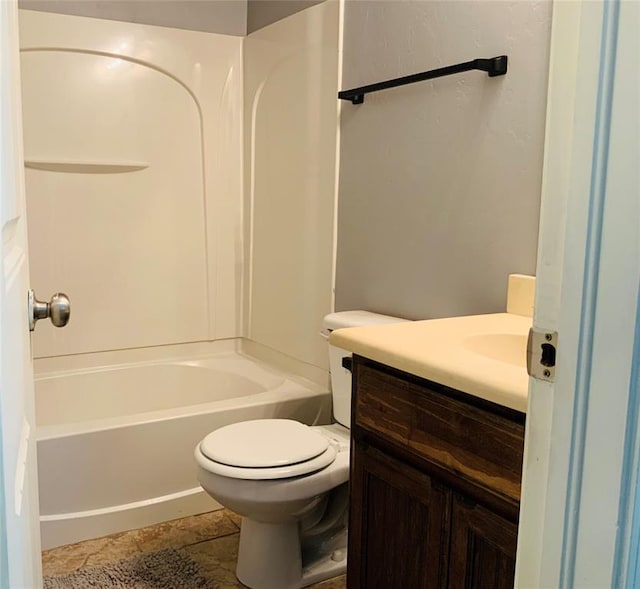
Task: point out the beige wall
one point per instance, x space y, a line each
440 181
291 73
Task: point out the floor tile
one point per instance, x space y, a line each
172 534
217 560
182 532
211 539
66 559
234 517
337 583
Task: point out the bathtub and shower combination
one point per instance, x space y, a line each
137 209
115 443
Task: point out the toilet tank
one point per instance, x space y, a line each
341 376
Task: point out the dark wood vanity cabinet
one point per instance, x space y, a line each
435 485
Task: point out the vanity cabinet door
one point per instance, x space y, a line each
398 536
435 485
483 547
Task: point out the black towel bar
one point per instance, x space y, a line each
495 66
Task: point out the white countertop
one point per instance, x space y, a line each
483 355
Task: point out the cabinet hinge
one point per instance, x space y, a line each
541 354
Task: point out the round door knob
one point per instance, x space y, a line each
58 309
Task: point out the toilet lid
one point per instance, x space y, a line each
264 443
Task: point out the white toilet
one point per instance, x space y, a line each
289 482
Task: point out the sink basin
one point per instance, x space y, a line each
504 347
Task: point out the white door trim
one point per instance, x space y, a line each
588 272
591 301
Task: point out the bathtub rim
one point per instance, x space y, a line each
55 431
266 356
290 384
61 527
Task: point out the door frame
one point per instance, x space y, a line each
587 290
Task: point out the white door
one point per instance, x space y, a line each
19 517
582 439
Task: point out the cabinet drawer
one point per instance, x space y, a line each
439 425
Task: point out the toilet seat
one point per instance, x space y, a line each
266 449
274 473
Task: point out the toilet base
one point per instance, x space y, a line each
269 555
269 558
333 565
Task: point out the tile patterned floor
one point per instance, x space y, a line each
211 539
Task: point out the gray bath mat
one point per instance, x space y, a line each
166 569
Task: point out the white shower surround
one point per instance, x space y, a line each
204 71
111 357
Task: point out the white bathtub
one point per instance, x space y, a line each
115 445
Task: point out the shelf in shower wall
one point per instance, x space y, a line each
84 167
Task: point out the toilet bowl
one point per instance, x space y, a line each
281 504
289 481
